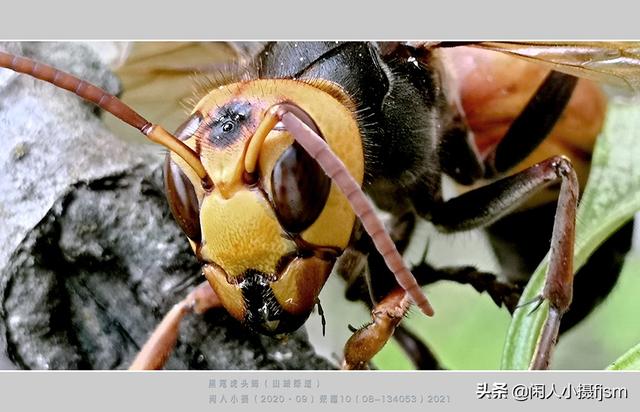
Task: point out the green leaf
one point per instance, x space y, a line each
611 198
628 361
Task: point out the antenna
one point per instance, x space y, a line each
109 103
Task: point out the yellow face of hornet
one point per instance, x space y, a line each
268 239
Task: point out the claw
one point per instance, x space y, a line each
538 300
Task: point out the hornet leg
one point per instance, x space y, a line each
483 206
368 340
376 281
503 293
157 349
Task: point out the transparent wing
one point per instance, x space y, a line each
615 63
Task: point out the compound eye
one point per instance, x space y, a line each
299 189
182 199
179 190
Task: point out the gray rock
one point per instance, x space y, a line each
90 257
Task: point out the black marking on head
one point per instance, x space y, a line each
226 125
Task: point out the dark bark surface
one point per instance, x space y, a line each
91 258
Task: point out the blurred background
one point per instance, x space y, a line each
468 331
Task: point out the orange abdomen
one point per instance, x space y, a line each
495 87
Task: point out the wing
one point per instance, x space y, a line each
615 63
